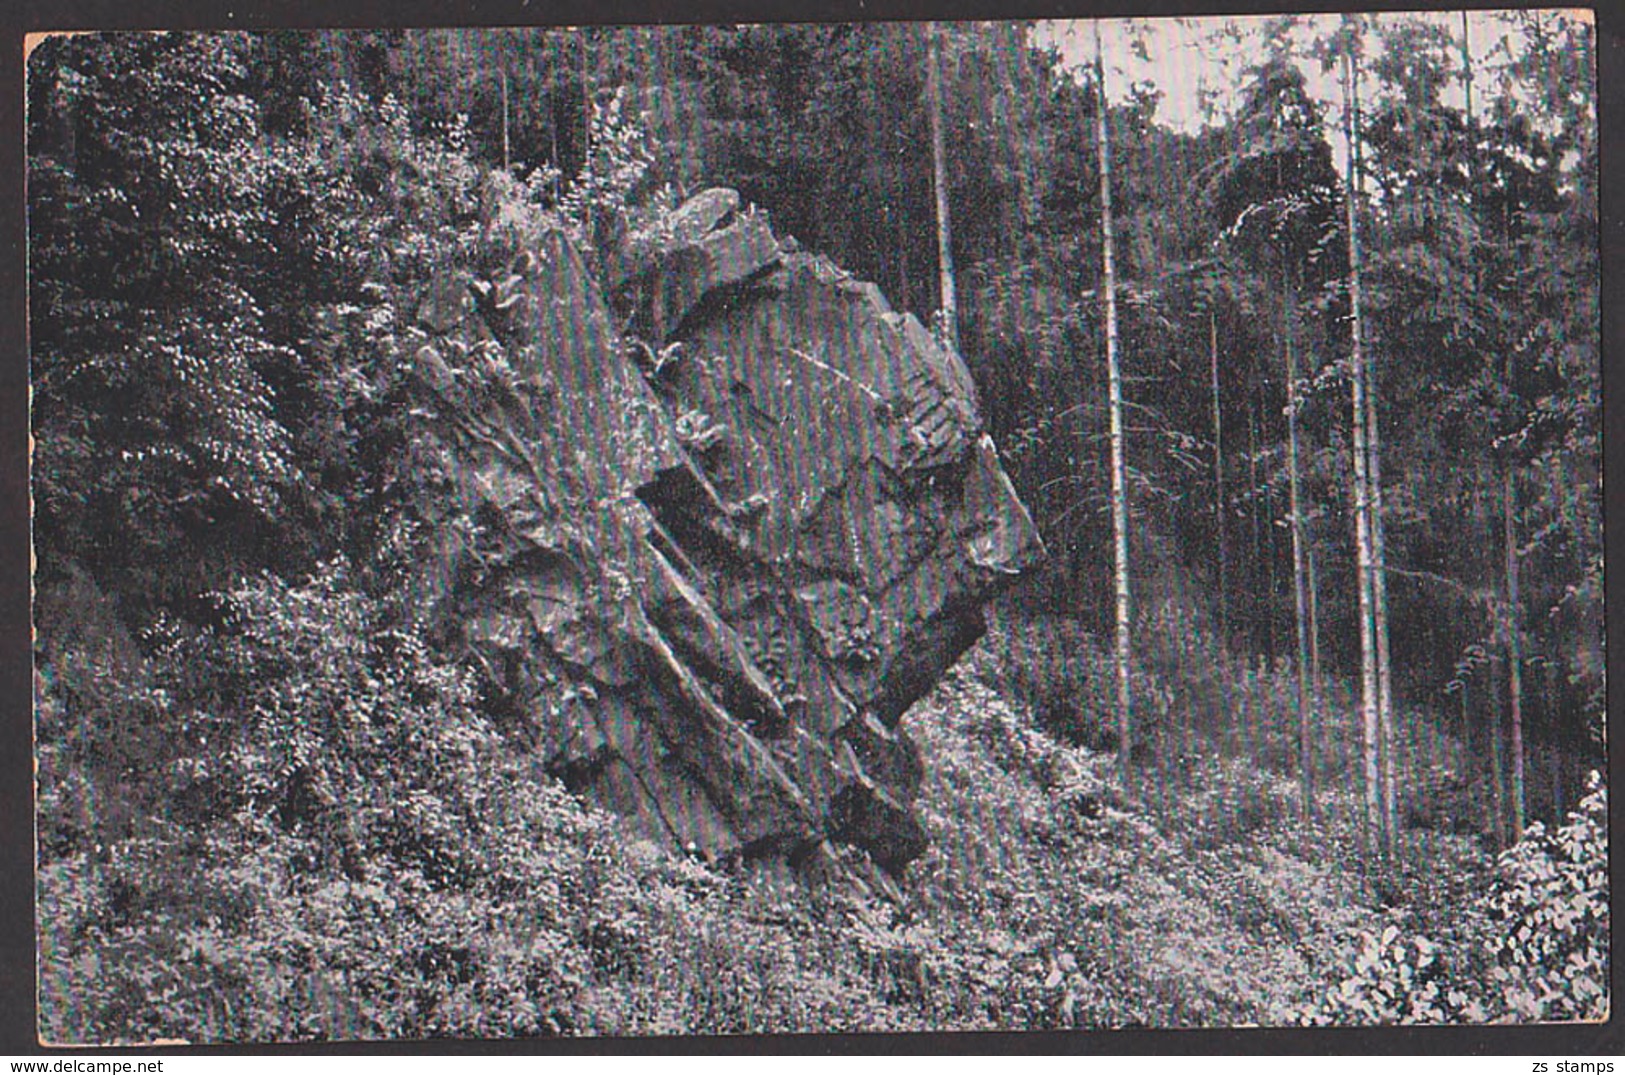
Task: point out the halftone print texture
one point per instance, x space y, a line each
820 528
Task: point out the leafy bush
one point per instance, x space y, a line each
151 407
1549 918
1395 979
338 847
1534 948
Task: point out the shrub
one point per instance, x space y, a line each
1548 914
1534 948
340 846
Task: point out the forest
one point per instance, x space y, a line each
1299 722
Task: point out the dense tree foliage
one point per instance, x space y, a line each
273 797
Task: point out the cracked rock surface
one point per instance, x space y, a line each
706 569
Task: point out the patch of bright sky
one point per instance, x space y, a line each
1187 58
1199 64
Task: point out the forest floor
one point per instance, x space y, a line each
1203 897
1051 897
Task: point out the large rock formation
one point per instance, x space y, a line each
712 543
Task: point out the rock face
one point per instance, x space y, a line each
707 566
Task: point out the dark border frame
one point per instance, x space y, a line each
17 939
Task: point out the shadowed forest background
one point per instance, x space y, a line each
231 500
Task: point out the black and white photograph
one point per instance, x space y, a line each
698 530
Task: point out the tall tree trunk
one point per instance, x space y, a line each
506 155
1464 743
1379 618
1497 769
1554 766
939 176
1254 497
586 102
1514 650
905 274
1314 617
899 192
1549 704
1389 738
1388 746
1300 574
1272 548
1369 727
1507 504
1218 467
1511 614
897 214
1467 89
1114 380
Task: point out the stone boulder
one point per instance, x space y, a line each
707 564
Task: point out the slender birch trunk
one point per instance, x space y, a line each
1510 532
1467 89
1497 768
1300 587
1379 597
506 155
1387 747
586 104
905 272
1472 168
1218 465
939 176
1115 399
898 262
1509 523
553 117
1514 652
1549 701
1314 618
1369 727
1379 618
1254 497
